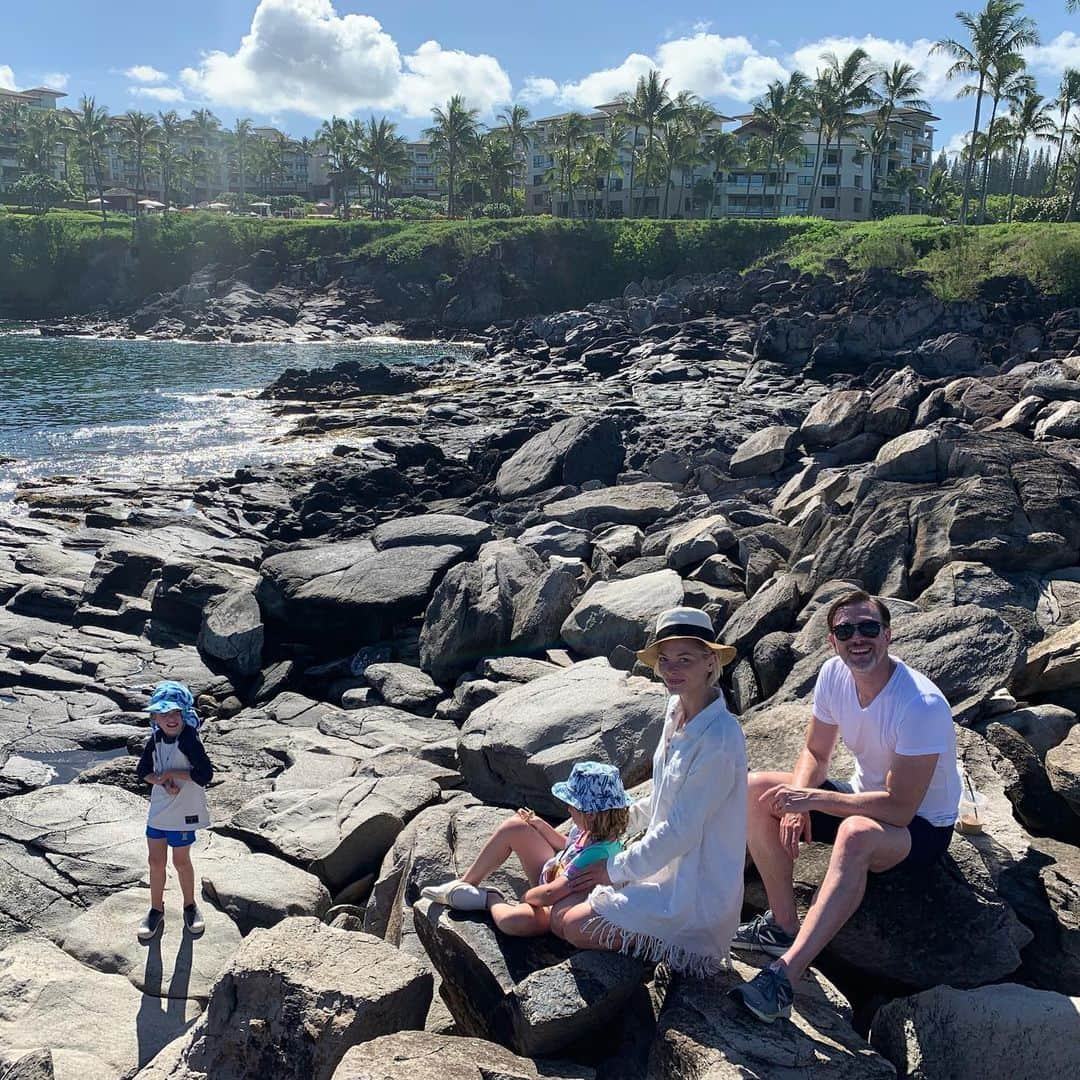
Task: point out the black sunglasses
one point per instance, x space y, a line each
845 631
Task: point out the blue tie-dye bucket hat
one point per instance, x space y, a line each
168 696
592 787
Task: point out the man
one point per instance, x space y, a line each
897 811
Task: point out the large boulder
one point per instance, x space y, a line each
571 452
404 687
339 832
630 504
1006 1030
94 1024
532 995
435 530
1063 768
620 612
294 1000
513 748
765 452
338 595
472 612
232 632
423 1055
1052 664
702 1034
835 418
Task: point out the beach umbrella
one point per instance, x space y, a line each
95 202
151 204
219 206
259 204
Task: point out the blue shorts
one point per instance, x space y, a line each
174 838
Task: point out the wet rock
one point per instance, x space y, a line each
533 995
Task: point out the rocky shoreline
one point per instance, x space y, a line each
397 641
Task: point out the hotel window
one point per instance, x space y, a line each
806 181
828 180
858 205
828 202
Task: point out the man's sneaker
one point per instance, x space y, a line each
762 935
152 922
193 920
767 995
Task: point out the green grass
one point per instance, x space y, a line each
547 263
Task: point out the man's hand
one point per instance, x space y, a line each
793 828
784 799
593 875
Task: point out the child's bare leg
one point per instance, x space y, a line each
519 919
181 860
513 837
156 858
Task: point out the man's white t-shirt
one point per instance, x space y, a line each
909 716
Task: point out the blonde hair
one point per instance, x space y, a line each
607 825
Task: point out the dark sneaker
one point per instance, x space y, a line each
153 921
193 920
762 935
767 995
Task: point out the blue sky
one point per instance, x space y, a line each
293 62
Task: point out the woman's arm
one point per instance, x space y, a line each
708 783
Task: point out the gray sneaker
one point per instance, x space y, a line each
152 922
767 995
193 920
762 934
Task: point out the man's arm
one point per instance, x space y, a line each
906 784
812 767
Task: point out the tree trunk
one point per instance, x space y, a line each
1012 183
1061 150
986 162
819 165
712 195
971 154
630 195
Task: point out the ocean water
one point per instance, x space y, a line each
155 409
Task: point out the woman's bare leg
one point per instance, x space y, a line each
569 918
513 837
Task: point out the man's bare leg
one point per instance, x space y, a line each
773 861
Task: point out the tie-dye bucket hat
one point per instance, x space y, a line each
592 787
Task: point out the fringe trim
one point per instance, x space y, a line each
653 949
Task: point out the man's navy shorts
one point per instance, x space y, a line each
174 837
928 842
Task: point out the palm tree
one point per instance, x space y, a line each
721 150
567 135
1068 96
170 154
847 87
608 155
1009 82
1030 119
649 106
996 31
453 130
755 155
782 110
899 86
678 149
518 134
337 143
240 140
498 166
697 117
939 189
91 127
139 139
382 153
37 144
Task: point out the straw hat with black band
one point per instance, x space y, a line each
683 623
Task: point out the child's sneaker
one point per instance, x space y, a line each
193 920
152 922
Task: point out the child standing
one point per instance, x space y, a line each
598 808
175 764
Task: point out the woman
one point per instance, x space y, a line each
675 894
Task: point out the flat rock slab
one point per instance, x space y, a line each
38 720
294 1000
340 832
1006 1030
702 1034
260 890
535 996
516 746
629 504
172 965
421 1055
95 1025
433 529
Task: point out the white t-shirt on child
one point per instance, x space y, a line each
909 717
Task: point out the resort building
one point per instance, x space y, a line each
40 97
423 176
843 181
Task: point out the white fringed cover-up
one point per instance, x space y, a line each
676 894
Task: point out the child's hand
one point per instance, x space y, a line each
171 786
526 815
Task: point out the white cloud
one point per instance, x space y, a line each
538 89
435 74
1057 55
301 55
933 66
144 73
707 64
158 93
7 77
56 80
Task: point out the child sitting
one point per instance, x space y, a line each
598 807
175 763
